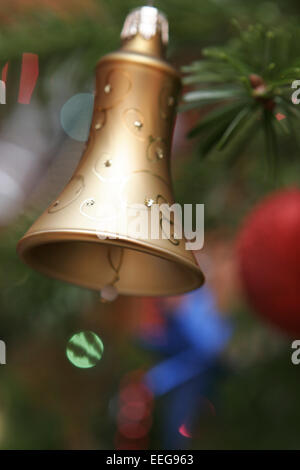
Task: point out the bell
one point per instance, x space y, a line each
125 163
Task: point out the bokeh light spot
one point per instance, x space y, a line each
84 349
76 116
280 116
184 431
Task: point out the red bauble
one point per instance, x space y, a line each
269 259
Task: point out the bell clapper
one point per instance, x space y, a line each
108 293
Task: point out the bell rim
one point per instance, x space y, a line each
42 237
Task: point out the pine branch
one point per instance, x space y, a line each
254 71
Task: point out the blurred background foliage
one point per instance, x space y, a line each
45 403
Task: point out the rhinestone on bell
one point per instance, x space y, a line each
159 154
148 201
138 124
91 202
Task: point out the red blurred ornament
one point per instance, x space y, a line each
134 418
269 259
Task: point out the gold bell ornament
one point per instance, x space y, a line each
126 162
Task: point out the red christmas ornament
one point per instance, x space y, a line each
269 259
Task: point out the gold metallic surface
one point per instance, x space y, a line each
126 161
